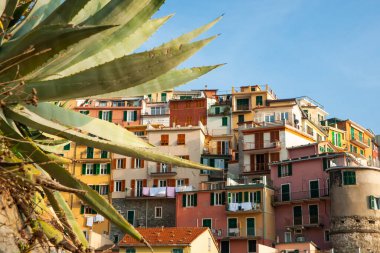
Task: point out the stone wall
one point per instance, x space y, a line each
145 213
350 233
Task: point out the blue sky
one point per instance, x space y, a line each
328 50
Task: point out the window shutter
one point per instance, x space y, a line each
108 168
133 185
195 199
219 147
142 163
100 114
325 163
240 197
333 137
123 185
134 115
97 168
155 182
371 202
158 165
171 182
290 166
110 117
125 113
186 181
132 162
111 185
279 170
107 189
81 209
257 197
211 198
184 200
83 169
113 164
145 183
224 121
223 198
169 168
93 211
66 147
124 163
229 197
245 196
97 187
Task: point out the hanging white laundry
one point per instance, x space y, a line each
246 206
153 191
90 221
233 207
161 192
146 191
98 218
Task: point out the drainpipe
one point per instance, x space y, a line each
264 211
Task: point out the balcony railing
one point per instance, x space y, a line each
215 151
157 113
301 195
258 167
243 207
168 192
216 132
242 108
212 186
306 220
233 232
259 123
162 171
359 140
261 145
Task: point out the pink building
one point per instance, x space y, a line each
302 201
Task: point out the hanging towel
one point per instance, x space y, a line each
98 218
161 192
145 191
233 207
246 206
153 191
90 221
170 192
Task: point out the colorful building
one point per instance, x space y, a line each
156 108
171 240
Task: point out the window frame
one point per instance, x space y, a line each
92 169
117 187
347 178
157 208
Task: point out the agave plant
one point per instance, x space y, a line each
54 51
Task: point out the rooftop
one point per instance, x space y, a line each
165 236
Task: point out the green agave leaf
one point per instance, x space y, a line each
72 62
92 7
166 81
92 198
188 37
19 12
8 9
41 10
122 73
64 213
117 46
74 120
47 39
27 117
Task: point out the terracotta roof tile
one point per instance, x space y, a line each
165 236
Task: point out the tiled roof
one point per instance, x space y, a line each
165 236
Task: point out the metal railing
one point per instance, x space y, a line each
212 185
261 145
242 108
153 170
243 207
311 194
258 167
305 220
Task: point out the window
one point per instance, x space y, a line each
103 189
285 170
162 183
164 139
105 115
131 217
313 214
242 104
102 103
349 178
224 121
374 203
314 188
217 110
130 116
86 210
284 116
259 100
158 212
115 239
222 147
139 163
118 186
225 247
131 250
157 110
217 198
207 223
103 169
233 229
219 163
251 246
288 237
181 139
66 147
150 97
189 200
118 103
327 235
85 112
250 227
269 118
177 250
180 182
240 118
297 215
90 152
119 164
362 152
285 192
104 154
139 133
89 169
352 133
163 97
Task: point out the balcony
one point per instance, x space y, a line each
99 155
242 108
219 132
298 197
215 151
257 147
162 171
359 141
256 169
259 123
305 221
161 112
207 186
153 192
245 207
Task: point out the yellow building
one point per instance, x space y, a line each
351 137
171 240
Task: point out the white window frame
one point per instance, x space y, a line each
103 169
218 198
284 170
130 116
160 212
180 182
270 118
103 189
119 163
287 237
117 185
90 169
284 116
190 200
138 163
106 115
102 103
164 168
162 183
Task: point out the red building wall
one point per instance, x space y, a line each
188 112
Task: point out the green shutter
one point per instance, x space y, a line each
93 211
371 202
257 197
211 198
245 196
81 209
184 200
90 152
339 139
66 147
100 114
110 117
240 197
217 110
223 198
224 121
83 169
279 170
212 162
229 197
97 188
125 113
107 189
333 137
134 115
108 168
290 167
97 168
325 163
195 199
